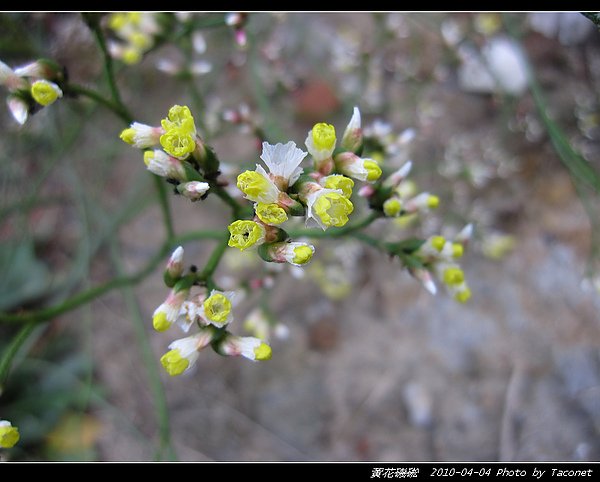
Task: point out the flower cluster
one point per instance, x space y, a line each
31 87
9 435
322 193
438 256
181 154
211 311
135 32
403 198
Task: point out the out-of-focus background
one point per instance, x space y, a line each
371 367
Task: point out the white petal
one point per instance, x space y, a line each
283 160
18 109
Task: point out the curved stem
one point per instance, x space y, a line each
118 282
213 262
236 207
108 65
160 399
115 108
164 206
12 350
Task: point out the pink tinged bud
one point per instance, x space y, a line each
465 234
398 176
366 191
240 36
426 279
352 139
193 190
175 264
18 108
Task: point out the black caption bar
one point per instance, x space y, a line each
363 471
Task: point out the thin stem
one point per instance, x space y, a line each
12 350
108 64
160 399
237 208
118 282
213 262
114 107
164 206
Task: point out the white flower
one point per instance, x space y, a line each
297 254
168 312
283 160
257 186
422 202
188 314
321 141
247 346
184 352
160 163
217 308
327 207
141 135
351 165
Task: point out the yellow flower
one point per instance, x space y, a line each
463 295
351 165
178 141
184 352
373 170
216 309
45 92
247 346
294 253
244 234
321 141
337 181
174 363
270 213
329 208
323 136
257 186
302 253
9 435
392 207
180 117
453 276
141 136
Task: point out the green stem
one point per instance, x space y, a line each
118 282
164 206
159 397
114 107
237 208
12 350
108 64
213 262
